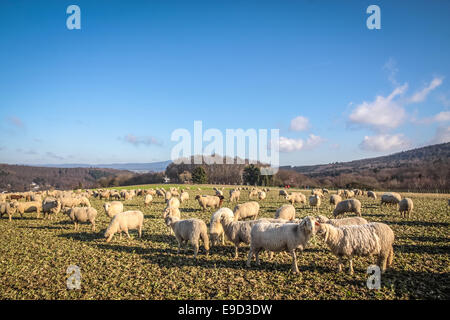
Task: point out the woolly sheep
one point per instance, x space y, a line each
296 197
348 194
235 195
278 237
314 201
286 212
342 222
7 208
148 199
335 199
123 222
390 198
350 205
261 195
191 230
168 195
209 201
246 210
29 206
50 207
184 196
282 193
113 208
160 193
371 194
405 206
82 214
216 231
359 240
173 202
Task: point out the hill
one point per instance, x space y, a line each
134 167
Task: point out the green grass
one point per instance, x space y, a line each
35 253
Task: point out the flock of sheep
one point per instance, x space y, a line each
345 237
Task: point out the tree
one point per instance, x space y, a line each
251 175
199 175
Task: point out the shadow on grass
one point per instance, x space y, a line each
419 223
406 248
42 228
427 239
84 235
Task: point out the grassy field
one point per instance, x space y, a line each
35 253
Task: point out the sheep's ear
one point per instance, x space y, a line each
317 224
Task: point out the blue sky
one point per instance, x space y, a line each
115 90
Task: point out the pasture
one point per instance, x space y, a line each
35 253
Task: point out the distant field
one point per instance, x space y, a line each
35 254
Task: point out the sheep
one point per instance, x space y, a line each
7 208
184 196
317 192
173 202
83 201
390 198
286 212
191 230
29 206
359 240
209 201
348 194
335 199
123 222
150 192
219 192
160 193
296 197
174 193
253 193
82 214
148 199
235 195
115 195
278 237
405 207
342 222
371 194
325 191
340 192
314 201
261 195
113 208
282 193
350 205
104 195
246 210
171 211
50 207
216 231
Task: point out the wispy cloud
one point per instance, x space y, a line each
422 94
391 68
136 141
299 123
15 121
54 156
384 142
442 135
443 116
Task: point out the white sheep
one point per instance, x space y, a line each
314 201
50 207
173 202
123 222
82 215
261 195
113 208
278 237
282 193
342 222
359 240
235 195
246 210
7 208
209 201
335 199
216 231
350 205
286 212
191 230
371 194
390 198
405 206
30 206
148 199
296 197
184 196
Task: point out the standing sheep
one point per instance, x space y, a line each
216 231
235 195
335 199
286 212
209 201
261 195
351 205
29 206
184 196
191 230
246 210
405 206
51 207
371 194
342 222
123 222
314 201
148 199
7 208
390 198
282 193
359 240
278 237
113 208
296 197
82 215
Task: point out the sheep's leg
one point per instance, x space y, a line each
382 262
93 225
223 239
350 266
257 257
390 257
128 235
140 231
294 262
340 264
249 258
10 217
195 250
236 250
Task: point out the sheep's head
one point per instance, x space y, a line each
322 219
197 197
323 229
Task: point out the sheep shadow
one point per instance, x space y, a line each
121 248
427 239
406 248
377 215
415 223
83 236
42 227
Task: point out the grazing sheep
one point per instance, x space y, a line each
405 206
348 194
148 199
82 215
340 192
171 211
246 210
216 231
371 194
50 207
296 197
350 205
278 237
184 196
317 192
282 193
342 222
173 202
7 208
314 201
115 195
235 195
286 212
29 206
335 199
123 222
104 195
160 193
253 193
83 201
325 191
113 208
209 201
359 240
168 195
191 230
261 195
390 198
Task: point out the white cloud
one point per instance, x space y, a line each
443 116
299 124
442 135
384 142
313 141
422 94
381 114
132 139
291 145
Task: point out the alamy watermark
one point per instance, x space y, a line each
74 279
374 280
234 148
